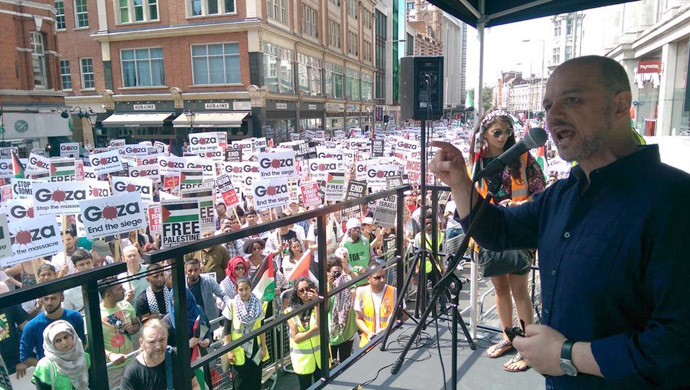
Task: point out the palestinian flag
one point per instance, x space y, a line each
301 268
190 178
336 178
469 100
541 160
263 284
62 167
208 212
17 167
179 211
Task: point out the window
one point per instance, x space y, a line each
366 19
569 27
142 67
352 8
278 75
87 80
556 55
352 84
352 43
557 28
568 53
217 63
38 60
381 25
137 10
309 74
367 87
60 14
366 51
410 6
65 75
277 10
310 25
81 16
334 80
210 7
333 34
336 2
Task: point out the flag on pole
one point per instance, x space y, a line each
17 167
301 268
541 160
196 330
263 284
469 101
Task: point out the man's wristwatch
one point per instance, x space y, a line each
566 358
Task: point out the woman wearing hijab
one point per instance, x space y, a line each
237 267
65 365
244 316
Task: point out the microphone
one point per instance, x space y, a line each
534 138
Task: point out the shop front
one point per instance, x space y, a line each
281 120
136 122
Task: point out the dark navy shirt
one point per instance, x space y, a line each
614 260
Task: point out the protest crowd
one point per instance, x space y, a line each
72 213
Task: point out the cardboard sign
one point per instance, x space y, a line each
134 150
154 213
5 242
117 143
319 167
394 181
274 165
203 142
335 186
191 178
377 173
62 170
270 193
145 171
377 147
143 186
106 162
69 149
355 189
233 155
18 209
171 164
21 188
170 182
385 212
58 198
310 194
116 214
37 163
207 211
33 238
6 193
98 188
227 191
180 222
305 150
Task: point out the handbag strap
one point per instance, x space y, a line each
169 368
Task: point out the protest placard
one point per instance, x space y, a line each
191 178
319 167
274 165
116 214
145 171
154 214
171 164
310 194
33 239
6 168
179 221
69 149
18 209
21 188
233 155
377 173
62 169
58 198
227 190
325 152
270 193
6 193
304 150
106 162
385 212
5 241
134 150
377 147
98 188
37 163
394 181
207 211
335 186
203 142
130 184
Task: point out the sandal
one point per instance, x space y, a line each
498 349
518 362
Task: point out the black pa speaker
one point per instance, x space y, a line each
421 88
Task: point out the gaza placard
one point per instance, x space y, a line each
274 165
319 167
169 165
106 162
203 142
377 174
37 163
59 198
123 185
270 193
18 209
69 149
112 215
33 239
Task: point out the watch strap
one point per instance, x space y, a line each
567 350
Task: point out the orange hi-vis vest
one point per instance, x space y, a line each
366 302
519 188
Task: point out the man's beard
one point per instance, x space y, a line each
589 146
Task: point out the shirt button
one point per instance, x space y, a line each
553 273
546 311
566 235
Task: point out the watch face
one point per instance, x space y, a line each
568 367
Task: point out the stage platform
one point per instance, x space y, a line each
422 368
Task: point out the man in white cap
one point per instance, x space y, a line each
358 247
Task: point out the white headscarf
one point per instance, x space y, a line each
71 364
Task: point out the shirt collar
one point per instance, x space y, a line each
623 169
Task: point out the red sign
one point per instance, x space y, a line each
155 218
78 170
649 66
310 194
230 198
170 182
6 193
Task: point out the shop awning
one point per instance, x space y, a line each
143 119
211 119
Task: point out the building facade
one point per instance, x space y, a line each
156 70
31 100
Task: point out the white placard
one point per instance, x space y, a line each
123 185
113 215
37 163
106 162
5 241
270 193
134 150
377 173
274 165
58 198
203 142
18 209
69 149
21 188
171 164
319 167
180 222
32 239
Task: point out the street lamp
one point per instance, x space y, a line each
190 115
541 78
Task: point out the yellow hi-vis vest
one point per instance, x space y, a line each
236 334
305 356
366 302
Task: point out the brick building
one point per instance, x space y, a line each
30 92
244 66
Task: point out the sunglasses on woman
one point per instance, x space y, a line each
304 290
498 133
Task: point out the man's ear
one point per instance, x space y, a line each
622 103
